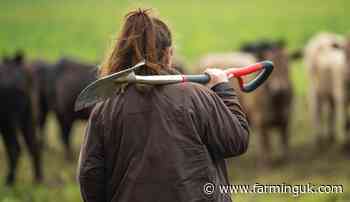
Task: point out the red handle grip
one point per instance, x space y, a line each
265 68
242 71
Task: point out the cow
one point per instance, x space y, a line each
18 113
41 72
179 64
347 96
325 60
59 85
71 78
269 107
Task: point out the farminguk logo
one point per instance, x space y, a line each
283 188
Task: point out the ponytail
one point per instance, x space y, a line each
142 38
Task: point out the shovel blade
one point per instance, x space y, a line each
94 93
103 88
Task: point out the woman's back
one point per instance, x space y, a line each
166 144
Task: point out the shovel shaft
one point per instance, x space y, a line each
264 68
105 87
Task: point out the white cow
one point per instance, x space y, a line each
326 64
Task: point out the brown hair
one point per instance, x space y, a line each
143 37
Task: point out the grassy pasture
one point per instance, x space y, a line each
84 29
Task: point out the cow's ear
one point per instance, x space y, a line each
244 47
297 54
281 43
5 59
19 57
249 48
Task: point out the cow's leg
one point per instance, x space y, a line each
66 126
341 97
316 113
13 151
284 134
265 148
347 126
42 121
332 121
28 128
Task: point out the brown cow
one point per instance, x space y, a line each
269 107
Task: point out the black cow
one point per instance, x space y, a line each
18 111
72 78
60 84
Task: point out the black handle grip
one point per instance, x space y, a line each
260 78
266 70
200 78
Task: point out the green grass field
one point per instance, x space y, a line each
85 29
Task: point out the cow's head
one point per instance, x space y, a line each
275 51
331 42
13 71
347 51
16 60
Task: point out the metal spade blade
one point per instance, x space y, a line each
103 88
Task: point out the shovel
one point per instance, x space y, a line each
103 88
